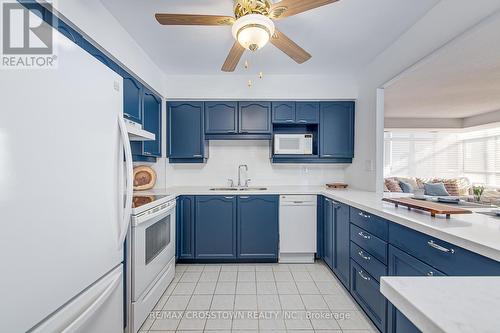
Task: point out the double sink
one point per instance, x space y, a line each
238 189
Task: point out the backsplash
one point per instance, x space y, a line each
225 156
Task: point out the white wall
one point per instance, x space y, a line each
231 86
91 17
226 156
447 20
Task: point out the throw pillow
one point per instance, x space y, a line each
411 181
435 189
393 185
406 187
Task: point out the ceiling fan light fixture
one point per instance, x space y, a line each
253 31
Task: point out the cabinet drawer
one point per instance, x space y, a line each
372 223
403 264
374 267
446 257
366 290
367 241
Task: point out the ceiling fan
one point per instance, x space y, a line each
252 26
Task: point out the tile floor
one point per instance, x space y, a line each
242 298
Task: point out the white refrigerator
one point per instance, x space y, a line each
62 207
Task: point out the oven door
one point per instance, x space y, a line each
153 246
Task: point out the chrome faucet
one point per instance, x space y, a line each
239 175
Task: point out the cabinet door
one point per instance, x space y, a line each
185 227
328 241
283 112
307 112
342 242
185 130
221 117
254 117
337 129
366 291
258 227
152 123
403 264
215 227
132 101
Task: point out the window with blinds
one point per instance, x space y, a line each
475 155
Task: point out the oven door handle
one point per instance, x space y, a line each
129 189
150 219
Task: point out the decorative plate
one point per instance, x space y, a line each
144 178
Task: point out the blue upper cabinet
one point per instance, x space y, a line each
221 117
295 112
152 123
337 130
185 129
283 112
258 227
307 112
255 118
132 98
215 227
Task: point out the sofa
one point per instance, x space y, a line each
460 187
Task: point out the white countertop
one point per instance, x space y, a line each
475 232
446 304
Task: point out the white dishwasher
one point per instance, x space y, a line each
297 228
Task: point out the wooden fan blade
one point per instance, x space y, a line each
289 47
233 58
287 8
188 19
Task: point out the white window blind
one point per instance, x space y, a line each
475 155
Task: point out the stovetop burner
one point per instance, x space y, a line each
141 200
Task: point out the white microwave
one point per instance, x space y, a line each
293 144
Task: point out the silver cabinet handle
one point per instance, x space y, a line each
302 121
289 121
146 153
197 155
244 197
364 215
361 233
327 155
439 247
126 114
363 256
364 277
430 273
229 197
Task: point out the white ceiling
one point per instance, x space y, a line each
461 80
342 37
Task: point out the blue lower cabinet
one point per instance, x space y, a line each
215 227
403 264
185 214
342 240
447 258
328 226
320 225
366 291
257 227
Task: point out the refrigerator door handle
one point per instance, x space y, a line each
127 212
83 318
